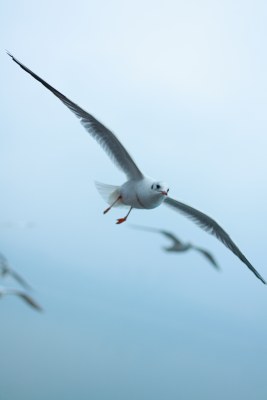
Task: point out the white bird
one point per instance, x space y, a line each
5 270
178 246
24 296
139 191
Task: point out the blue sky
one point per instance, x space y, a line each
183 85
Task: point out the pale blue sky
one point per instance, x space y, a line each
183 85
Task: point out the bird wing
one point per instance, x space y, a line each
212 227
19 279
29 300
5 269
109 142
168 234
207 255
171 236
3 260
24 296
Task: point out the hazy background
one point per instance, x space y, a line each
183 85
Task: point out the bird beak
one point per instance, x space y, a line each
164 193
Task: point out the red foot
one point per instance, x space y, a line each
121 220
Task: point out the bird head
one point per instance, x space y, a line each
160 187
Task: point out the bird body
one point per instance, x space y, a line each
138 191
142 193
179 247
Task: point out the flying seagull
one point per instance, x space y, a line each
139 191
178 246
24 296
5 270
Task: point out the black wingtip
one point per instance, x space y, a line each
13 58
260 278
9 54
258 275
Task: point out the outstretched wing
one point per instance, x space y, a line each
23 295
109 142
167 234
207 255
172 237
3 260
29 300
211 226
6 270
19 279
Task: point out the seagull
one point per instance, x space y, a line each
178 246
5 270
24 296
139 191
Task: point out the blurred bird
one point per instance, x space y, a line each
178 246
24 296
139 191
6 270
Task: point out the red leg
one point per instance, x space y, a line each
105 211
121 220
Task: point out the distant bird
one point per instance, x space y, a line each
178 246
24 296
5 270
139 191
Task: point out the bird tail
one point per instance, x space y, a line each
109 193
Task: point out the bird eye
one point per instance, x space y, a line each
158 186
